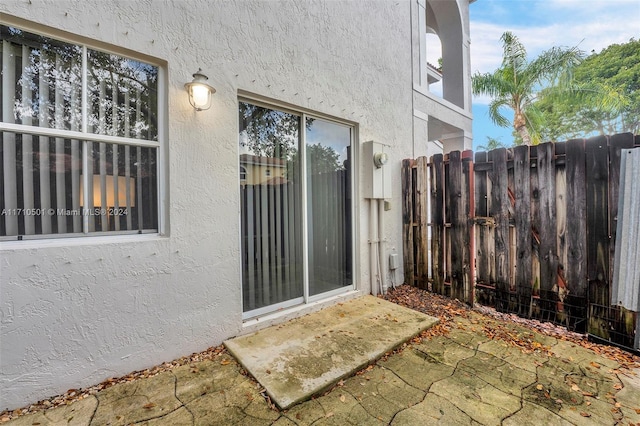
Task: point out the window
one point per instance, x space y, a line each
243 173
296 227
79 136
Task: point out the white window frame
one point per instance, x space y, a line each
10 242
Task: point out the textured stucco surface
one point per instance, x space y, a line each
74 312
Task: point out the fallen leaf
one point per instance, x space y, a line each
539 387
298 416
342 398
594 364
575 388
149 405
588 403
583 414
329 414
618 405
637 410
225 362
617 386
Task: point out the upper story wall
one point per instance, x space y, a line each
447 110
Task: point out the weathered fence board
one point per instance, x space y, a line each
485 243
500 213
597 215
523 263
530 230
437 222
421 219
408 220
547 249
575 268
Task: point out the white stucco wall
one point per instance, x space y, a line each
76 311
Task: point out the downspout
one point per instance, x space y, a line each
381 251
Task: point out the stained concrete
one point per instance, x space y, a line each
302 357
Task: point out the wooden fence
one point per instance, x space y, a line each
529 230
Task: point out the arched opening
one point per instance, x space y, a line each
434 63
445 23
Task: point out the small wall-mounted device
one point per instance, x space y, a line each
377 181
380 159
393 261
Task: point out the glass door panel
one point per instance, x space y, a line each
328 175
271 207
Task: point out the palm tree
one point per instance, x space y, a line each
492 143
516 83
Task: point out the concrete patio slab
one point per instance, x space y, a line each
303 357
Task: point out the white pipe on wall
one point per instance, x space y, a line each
382 265
373 245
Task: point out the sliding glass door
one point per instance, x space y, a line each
296 207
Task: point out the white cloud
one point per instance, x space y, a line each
590 25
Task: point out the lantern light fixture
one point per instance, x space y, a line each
200 92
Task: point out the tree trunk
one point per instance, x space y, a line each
524 134
520 124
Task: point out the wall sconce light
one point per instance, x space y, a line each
200 92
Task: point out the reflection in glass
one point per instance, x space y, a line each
328 148
124 96
47 77
43 186
271 207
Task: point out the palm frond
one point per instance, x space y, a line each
496 116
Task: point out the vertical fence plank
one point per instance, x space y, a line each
561 220
421 213
500 213
484 253
534 306
455 207
468 192
576 240
597 221
407 220
437 222
522 217
597 197
547 252
480 213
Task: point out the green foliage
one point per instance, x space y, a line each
492 143
515 84
611 106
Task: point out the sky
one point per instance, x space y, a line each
591 25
